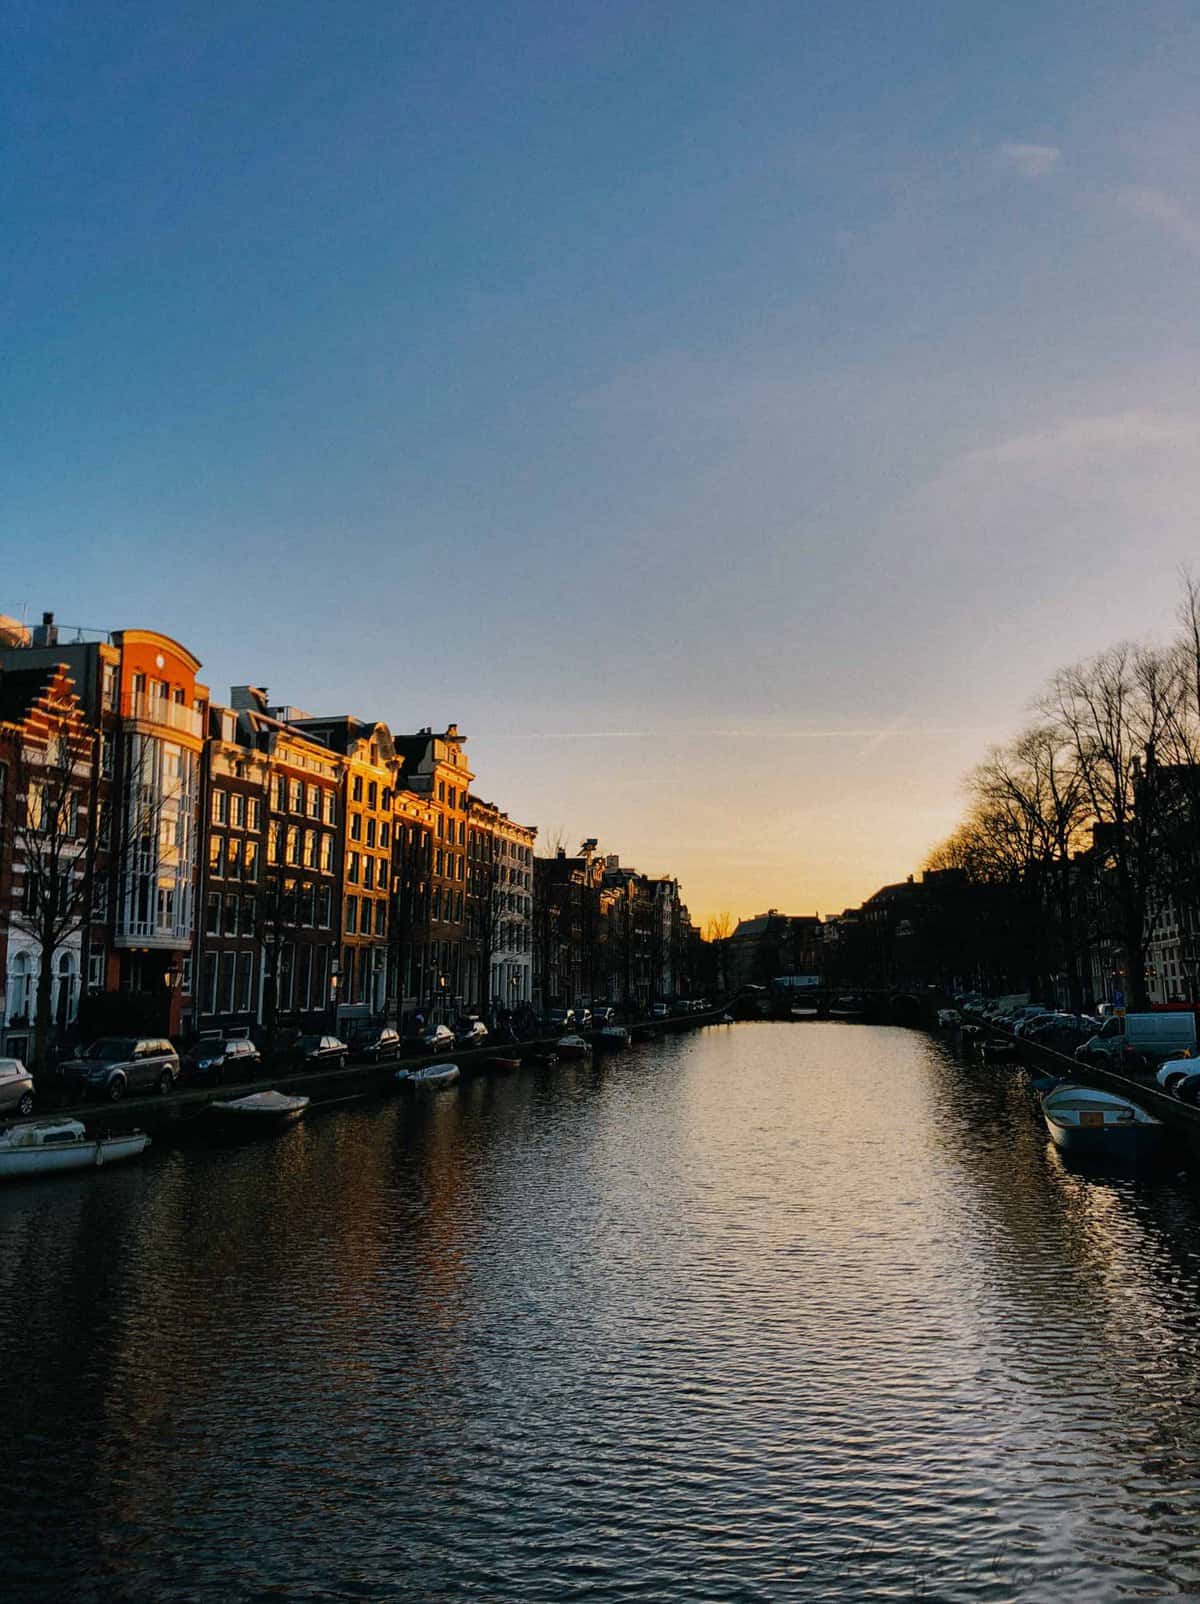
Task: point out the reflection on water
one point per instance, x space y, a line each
763 1312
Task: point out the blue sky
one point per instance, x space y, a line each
728 413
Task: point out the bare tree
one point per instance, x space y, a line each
49 778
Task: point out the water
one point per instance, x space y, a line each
763 1312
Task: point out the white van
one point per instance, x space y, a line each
1140 1041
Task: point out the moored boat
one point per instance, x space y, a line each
948 1018
572 1046
502 1063
430 1078
45 1146
1083 1119
610 1036
258 1111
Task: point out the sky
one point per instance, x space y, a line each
729 414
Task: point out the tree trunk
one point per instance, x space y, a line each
43 1021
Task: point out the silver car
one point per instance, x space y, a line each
16 1086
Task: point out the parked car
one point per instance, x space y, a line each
1181 1076
317 1050
221 1058
115 1065
604 1016
16 1086
1140 1041
437 1039
583 1018
378 1044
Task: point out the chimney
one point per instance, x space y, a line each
46 633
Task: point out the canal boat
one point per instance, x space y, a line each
799 1012
502 1063
999 1047
431 1078
1083 1119
259 1111
849 1008
572 1046
610 1036
45 1146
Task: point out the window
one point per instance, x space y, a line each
293 844
232 904
321 977
356 789
212 918
238 806
352 870
438 861
369 873
453 797
326 854
233 858
277 793
351 919
249 916
108 692
310 849
245 982
356 827
330 813
380 918
254 814
441 790
295 797
95 971
385 834
441 827
386 799
273 842
314 802
228 963
304 977
462 832
373 794
250 859
220 806
216 853
208 984
370 832
307 903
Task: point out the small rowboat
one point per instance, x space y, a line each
259 1110
1082 1119
50 1145
572 1047
503 1063
431 1078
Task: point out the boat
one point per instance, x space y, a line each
572 1046
848 1008
999 1047
258 1111
612 1036
948 1018
430 1078
798 1012
44 1146
502 1063
725 1019
1083 1119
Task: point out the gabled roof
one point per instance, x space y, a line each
22 688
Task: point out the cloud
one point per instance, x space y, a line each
1158 207
1031 161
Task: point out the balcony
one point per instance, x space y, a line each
171 715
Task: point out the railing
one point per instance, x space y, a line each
158 710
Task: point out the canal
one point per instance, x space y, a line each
766 1311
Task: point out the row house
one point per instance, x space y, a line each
46 772
435 772
499 910
370 772
139 693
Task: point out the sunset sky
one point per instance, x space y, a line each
728 413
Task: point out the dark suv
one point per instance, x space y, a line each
115 1065
221 1059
